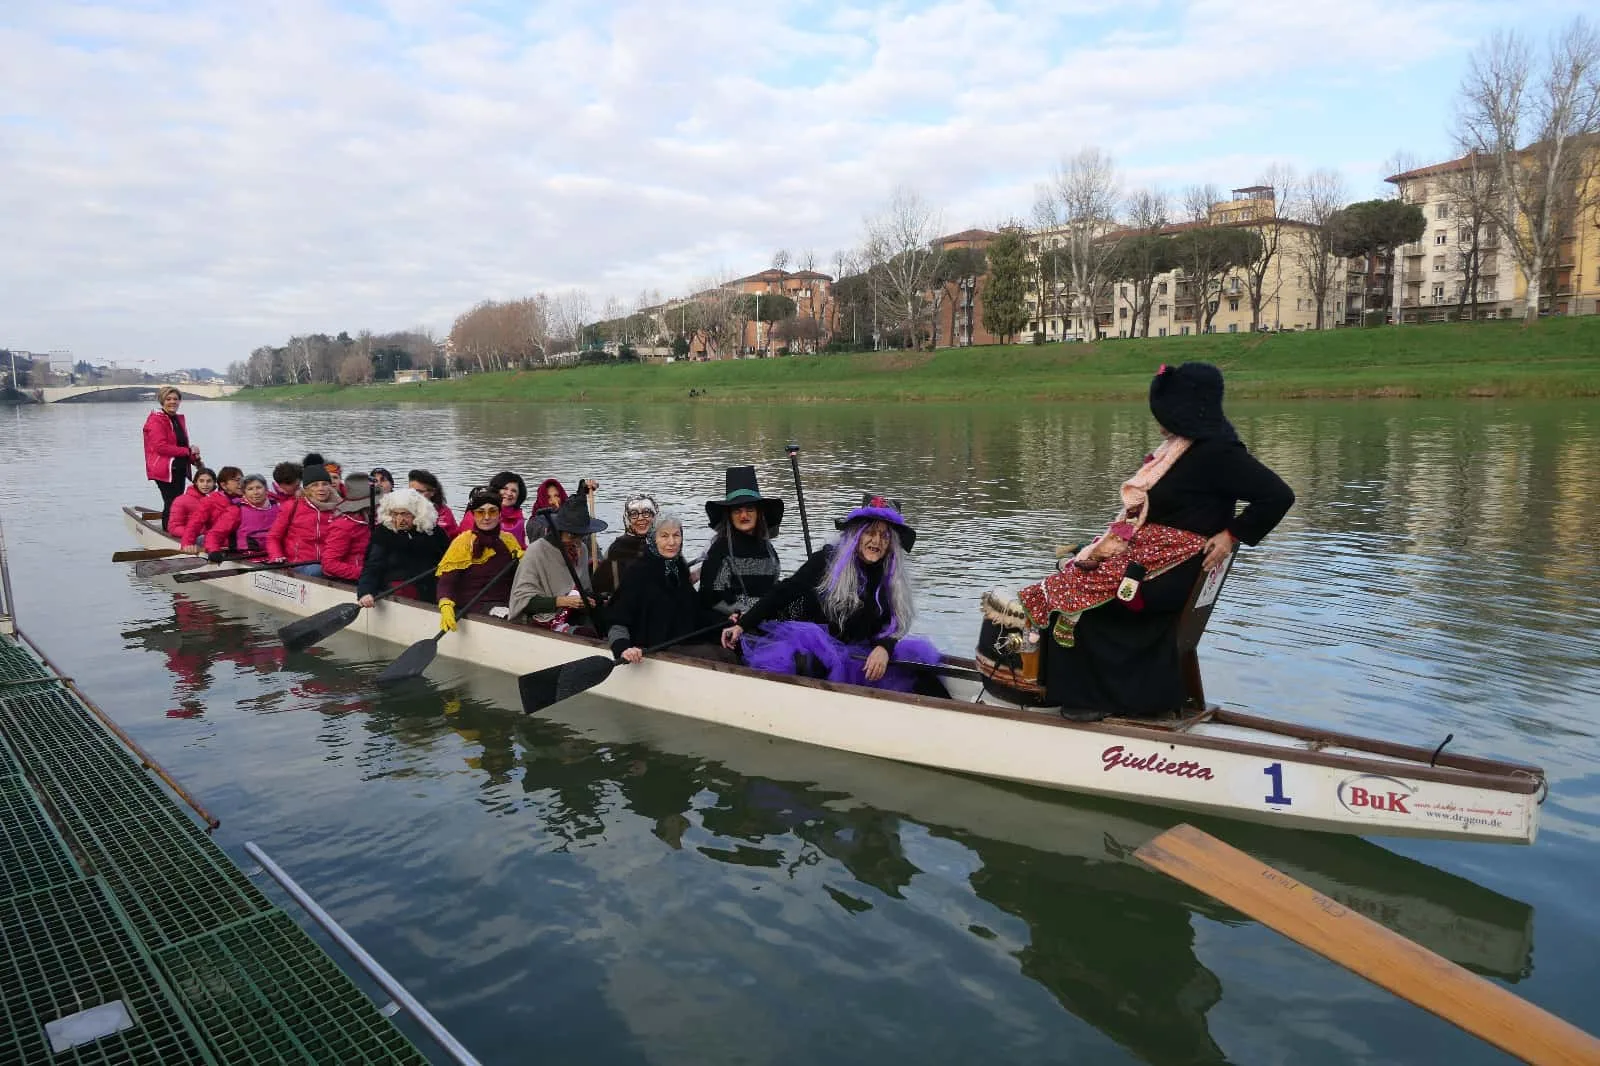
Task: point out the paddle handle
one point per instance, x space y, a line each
702 632
392 589
476 596
1361 945
212 575
799 494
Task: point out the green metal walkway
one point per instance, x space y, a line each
126 934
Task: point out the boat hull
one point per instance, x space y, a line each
1230 765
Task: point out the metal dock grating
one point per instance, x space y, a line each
110 892
66 950
261 991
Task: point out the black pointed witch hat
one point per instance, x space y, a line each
742 490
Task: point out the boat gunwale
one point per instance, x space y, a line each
1420 763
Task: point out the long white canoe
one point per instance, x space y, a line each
1221 762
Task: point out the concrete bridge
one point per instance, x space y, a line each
127 393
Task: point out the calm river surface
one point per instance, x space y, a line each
611 885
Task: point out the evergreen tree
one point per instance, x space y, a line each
1005 307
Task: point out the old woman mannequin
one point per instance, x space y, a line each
1111 614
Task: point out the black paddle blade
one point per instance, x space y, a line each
307 631
141 554
157 567
411 663
549 686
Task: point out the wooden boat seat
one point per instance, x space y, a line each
1192 625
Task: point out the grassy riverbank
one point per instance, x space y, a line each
1557 357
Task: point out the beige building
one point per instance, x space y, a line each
1175 309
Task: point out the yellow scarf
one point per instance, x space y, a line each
459 555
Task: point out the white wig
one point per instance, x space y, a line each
407 499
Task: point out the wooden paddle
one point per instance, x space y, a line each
416 658
547 687
162 567
1361 945
212 575
308 631
145 553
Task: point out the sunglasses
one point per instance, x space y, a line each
486 509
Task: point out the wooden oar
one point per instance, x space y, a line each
323 624
1385 958
146 553
416 658
544 688
163 567
212 575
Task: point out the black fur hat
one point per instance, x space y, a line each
1187 401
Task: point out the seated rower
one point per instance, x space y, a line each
190 503
244 527
302 523
406 541
856 603
425 483
344 548
741 566
657 602
213 508
638 516
513 491
553 585
477 560
1110 616
285 482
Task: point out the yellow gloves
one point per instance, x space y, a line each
447 615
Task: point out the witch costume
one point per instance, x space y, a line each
1110 615
846 608
554 567
740 568
656 603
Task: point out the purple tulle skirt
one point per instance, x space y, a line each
774 650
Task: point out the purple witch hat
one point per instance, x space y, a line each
881 509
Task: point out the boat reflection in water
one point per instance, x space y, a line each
1111 941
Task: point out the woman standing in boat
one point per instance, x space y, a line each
742 565
168 455
856 605
1110 615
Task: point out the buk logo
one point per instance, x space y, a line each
1359 795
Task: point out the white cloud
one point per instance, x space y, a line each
186 180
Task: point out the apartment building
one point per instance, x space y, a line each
956 304
1288 301
1436 276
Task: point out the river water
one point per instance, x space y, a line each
611 885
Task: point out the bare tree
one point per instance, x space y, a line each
1472 193
1144 256
1081 204
1400 161
1198 200
807 260
780 259
899 244
1322 195
1263 274
1536 128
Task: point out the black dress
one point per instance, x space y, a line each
738 570
655 603
796 598
1125 662
393 556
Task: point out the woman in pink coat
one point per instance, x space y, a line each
168 454
187 507
216 505
245 525
344 549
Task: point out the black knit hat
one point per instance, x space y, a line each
1187 401
740 489
314 473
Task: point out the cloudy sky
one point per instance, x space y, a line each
183 181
